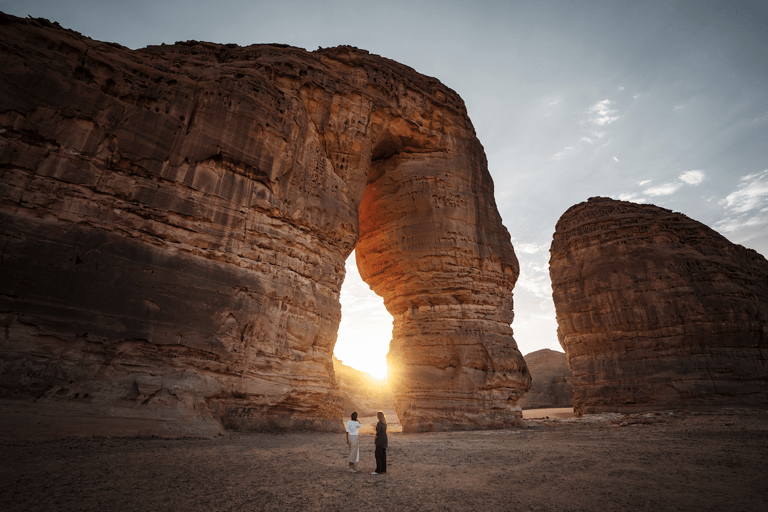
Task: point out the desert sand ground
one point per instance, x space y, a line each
650 462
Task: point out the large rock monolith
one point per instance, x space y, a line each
174 223
656 310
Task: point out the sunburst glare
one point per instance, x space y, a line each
366 326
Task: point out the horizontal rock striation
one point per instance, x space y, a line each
656 310
174 223
551 385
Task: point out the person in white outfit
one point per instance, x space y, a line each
353 426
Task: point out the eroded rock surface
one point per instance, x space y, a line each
551 384
175 222
657 310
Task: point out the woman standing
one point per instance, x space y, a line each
354 448
381 444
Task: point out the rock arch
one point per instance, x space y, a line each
176 221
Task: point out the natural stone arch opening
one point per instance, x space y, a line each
360 351
365 329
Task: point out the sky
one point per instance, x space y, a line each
656 101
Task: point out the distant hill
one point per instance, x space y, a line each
362 393
552 385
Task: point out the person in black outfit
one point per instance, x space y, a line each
381 445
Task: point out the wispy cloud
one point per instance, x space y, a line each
621 87
561 154
751 194
663 190
615 159
602 114
686 178
631 197
529 248
534 276
677 107
598 115
746 208
692 177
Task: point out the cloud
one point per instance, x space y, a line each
677 107
631 197
663 190
692 177
636 95
688 178
616 159
601 113
751 194
739 222
746 209
561 154
529 248
534 276
621 87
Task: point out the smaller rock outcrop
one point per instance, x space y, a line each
656 310
551 380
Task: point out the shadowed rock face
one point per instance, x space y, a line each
657 310
551 384
175 222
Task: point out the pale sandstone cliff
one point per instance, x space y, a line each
175 221
657 310
551 383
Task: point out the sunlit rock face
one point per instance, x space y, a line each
551 384
433 246
657 310
175 222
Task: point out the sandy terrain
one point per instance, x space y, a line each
677 461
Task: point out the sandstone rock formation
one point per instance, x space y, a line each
656 310
551 384
174 223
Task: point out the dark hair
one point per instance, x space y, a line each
354 416
381 417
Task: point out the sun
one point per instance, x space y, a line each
365 353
